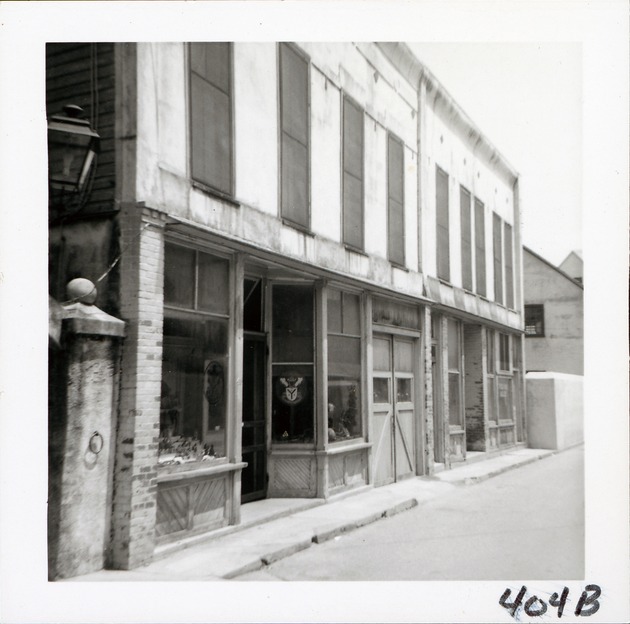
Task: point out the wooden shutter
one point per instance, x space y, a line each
464 205
294 137
352 174
395 201
509 274
442 242
498 264
211 115
480 248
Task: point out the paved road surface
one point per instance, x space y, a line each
527 523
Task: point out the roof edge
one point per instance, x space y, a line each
553 266
414 71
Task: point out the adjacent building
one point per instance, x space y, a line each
317 256
554 315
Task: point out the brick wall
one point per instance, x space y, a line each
428 395
473 388
135 488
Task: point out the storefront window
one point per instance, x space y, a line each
292 365
504 352
454 374
344 366
505 398
194 362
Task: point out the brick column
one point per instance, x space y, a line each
429 452
473 388
141 305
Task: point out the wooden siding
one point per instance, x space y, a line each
83 74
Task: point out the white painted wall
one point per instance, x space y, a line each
555 411
256 125
390 104
325 157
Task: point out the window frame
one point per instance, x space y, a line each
497 248
197 182
481 286
287 220
538 307
362 373
195 314
508 264
456 324
466 217
446 228
396 261
345 101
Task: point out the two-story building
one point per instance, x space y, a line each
318 259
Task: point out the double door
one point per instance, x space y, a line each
393 408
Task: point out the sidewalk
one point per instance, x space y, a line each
276 528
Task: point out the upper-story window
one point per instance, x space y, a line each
509 271
294 137
395 201
480 248
211 115
352 174
535 320
441 218
498 263
464 205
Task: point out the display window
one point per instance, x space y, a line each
292 405
193 403
344 366
454 374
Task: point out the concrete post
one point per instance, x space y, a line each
83 388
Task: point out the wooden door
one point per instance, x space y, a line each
254 476
393 411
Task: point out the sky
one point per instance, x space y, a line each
526 98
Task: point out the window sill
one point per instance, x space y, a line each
400 267
345 446
356 250
296 226
207 190
199 472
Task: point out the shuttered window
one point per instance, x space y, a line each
464 205
441 203
395 201
211 115
294 139
509 272
498 264
352 174
480 248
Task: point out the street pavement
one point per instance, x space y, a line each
463 524
525 524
